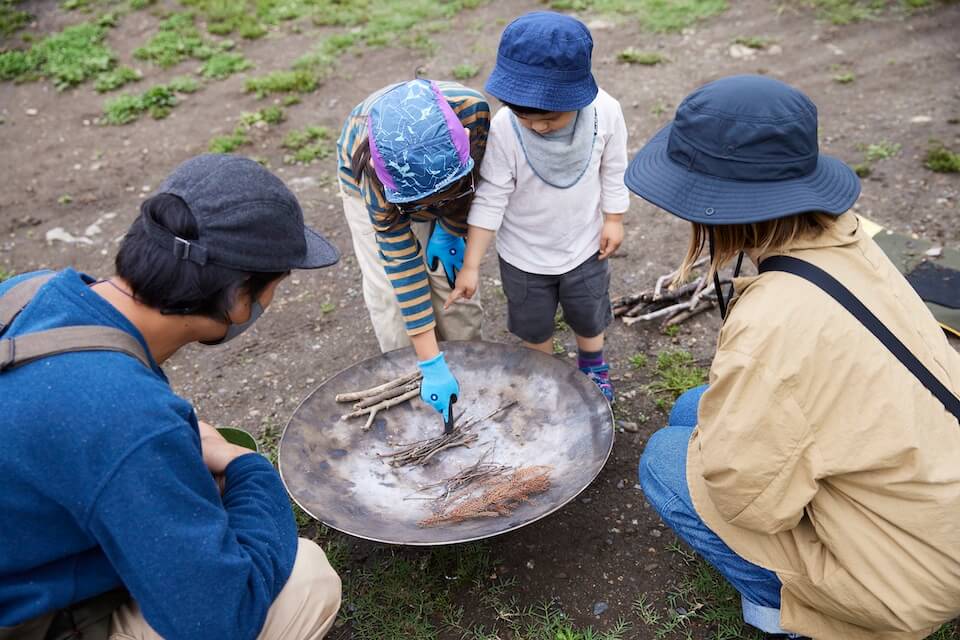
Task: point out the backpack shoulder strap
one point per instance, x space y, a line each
851 303
18 296
18 351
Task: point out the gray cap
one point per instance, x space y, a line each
246 217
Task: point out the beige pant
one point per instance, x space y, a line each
305 609
461 322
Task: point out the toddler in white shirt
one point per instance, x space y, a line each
551 188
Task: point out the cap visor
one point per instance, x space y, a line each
537 94
320 253
832 187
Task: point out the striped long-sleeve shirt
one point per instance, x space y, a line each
400 252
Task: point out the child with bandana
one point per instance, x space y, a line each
551 188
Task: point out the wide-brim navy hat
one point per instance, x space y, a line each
543 62
742 149
247 219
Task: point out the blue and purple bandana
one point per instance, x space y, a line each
417 144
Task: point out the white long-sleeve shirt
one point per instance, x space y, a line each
543 229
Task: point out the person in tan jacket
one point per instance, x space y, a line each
816 472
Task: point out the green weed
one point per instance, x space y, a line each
559 348
846 77
222 65
559 323
228 143
158 101
630 55
880 151
12 19
282 82
671 330
177 40
676 372
638 360
842 12
116 78
289 101
184 84
941 159
136 5
6 274
68 58
308 144
465 71
327 307
65 199
753 42
863 169
655 15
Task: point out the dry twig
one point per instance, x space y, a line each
420 452
369 393
376 399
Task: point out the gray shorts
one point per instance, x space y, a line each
583 293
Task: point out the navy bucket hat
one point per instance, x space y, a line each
543 62
742 149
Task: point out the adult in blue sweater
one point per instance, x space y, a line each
109 480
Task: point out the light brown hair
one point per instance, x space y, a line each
769 235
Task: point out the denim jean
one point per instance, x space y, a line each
663 477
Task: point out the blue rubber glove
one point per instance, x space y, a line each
448 250
439 388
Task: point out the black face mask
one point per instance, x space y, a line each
722 302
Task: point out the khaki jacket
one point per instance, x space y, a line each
820 457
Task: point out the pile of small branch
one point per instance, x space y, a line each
480 471
421 451
500 497
370 402
672 306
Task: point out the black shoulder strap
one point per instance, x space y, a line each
41 344
841 294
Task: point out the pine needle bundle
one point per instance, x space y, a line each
500 497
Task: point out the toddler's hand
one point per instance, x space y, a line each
466 286
611 237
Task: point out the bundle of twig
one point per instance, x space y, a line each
479 471
421 451
501 497
672 306
370 402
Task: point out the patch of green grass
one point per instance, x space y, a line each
327 307
11 18
941 159
116 78
676 372
672 330
638 360
880 150
158 101
308 144
753 42
465 71
177 40
68 58
559 323
660 16
559 348
299 81
631 55
6 274
289 101
228 143
841 12
136 5
863 169
223 65
65 199
847 77
184 84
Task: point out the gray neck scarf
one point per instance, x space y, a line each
560 158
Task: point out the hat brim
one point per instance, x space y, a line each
539 94
831 188
395 197
320 253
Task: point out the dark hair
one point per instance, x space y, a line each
527 111
161 280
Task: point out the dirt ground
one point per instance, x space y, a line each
608 545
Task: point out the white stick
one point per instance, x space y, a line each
386 404
366 393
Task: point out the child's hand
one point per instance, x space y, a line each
611 237
466 286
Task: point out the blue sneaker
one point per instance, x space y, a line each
600 374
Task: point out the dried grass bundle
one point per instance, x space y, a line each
501 497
